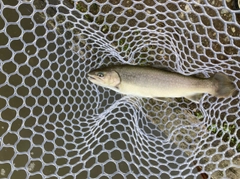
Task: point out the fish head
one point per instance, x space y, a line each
105 78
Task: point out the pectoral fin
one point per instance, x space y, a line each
195 98
160 99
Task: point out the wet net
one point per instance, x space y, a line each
54 123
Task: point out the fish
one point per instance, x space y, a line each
150 82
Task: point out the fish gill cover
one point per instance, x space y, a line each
54 123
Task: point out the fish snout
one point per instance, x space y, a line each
91 77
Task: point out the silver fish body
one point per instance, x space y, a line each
151 82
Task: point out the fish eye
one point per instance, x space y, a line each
100 74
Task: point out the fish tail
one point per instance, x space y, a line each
224 87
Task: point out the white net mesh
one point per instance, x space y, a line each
56 124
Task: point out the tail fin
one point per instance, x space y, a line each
224 87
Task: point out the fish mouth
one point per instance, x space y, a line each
92 78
